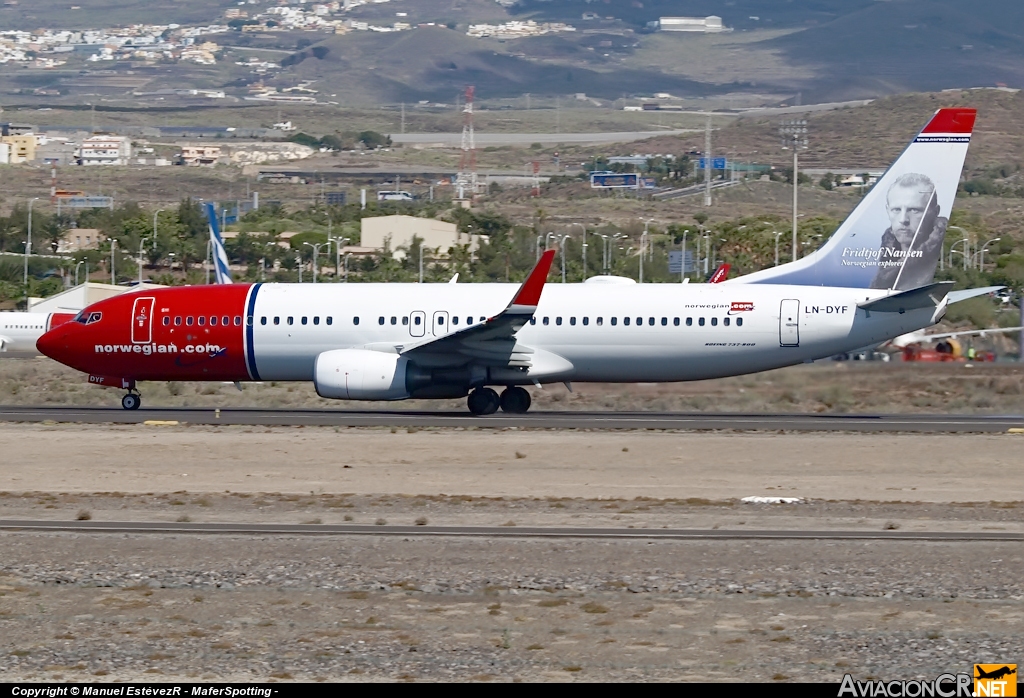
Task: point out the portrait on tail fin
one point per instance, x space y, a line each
912 243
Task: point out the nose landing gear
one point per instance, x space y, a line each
131 401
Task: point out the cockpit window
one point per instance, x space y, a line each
88 318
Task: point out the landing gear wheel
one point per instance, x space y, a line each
131 401
515 400
483 401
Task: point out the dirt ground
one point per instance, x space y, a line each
76 606
510 463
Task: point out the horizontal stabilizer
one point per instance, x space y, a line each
957 296
929 296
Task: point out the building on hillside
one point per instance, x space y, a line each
78 239
397 233
706 25
200 155
9 128
5 154
105 150
23 148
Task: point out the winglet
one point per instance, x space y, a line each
529 293
720 275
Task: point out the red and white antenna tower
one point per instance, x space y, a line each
465 180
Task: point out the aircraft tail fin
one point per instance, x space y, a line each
893 239
220 255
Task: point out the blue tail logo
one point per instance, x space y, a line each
220 256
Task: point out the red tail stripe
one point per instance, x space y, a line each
952 120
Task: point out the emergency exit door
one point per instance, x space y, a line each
789 323
142 320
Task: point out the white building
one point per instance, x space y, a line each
5 154
708 25
398 232
105 150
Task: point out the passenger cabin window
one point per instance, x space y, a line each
177 320
202 320
586 321
714 322
248 320
725 322
167 320
469 320
600 321
739 322
380 320
213 319
689 321
455 319
188 320
277 320
304 319
263 320
639 321
558 320
546 321
664 321
405 319
238 321
614 321
330 320
700 321
355 320
533 321
316 319
416 320
675 321
625 321
291 320
225 321
572 321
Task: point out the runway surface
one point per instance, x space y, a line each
166 416
138 527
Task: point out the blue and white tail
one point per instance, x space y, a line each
893 239
220 256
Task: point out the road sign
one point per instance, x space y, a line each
614 180
675 259
86 202
716 163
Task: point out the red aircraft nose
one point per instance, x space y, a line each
54 344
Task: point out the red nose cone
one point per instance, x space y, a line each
53 344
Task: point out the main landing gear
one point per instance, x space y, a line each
131 401
484 401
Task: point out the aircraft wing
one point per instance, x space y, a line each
493 342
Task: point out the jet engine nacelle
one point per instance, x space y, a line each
360 374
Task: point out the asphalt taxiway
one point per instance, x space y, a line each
916 423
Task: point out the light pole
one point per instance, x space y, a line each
337 256
142 245
562 245
967 246
316 251
347 255
584 228
155 214
76 270
547 239
298 263
961 252
795 134
777 236
28 245
113 272
707 259
682 260
536 247
643 250
981 252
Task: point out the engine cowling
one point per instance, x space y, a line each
360 374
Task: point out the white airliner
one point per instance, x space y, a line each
871 282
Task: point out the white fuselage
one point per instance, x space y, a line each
19 332
674 332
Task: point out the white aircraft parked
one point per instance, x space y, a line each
872 281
